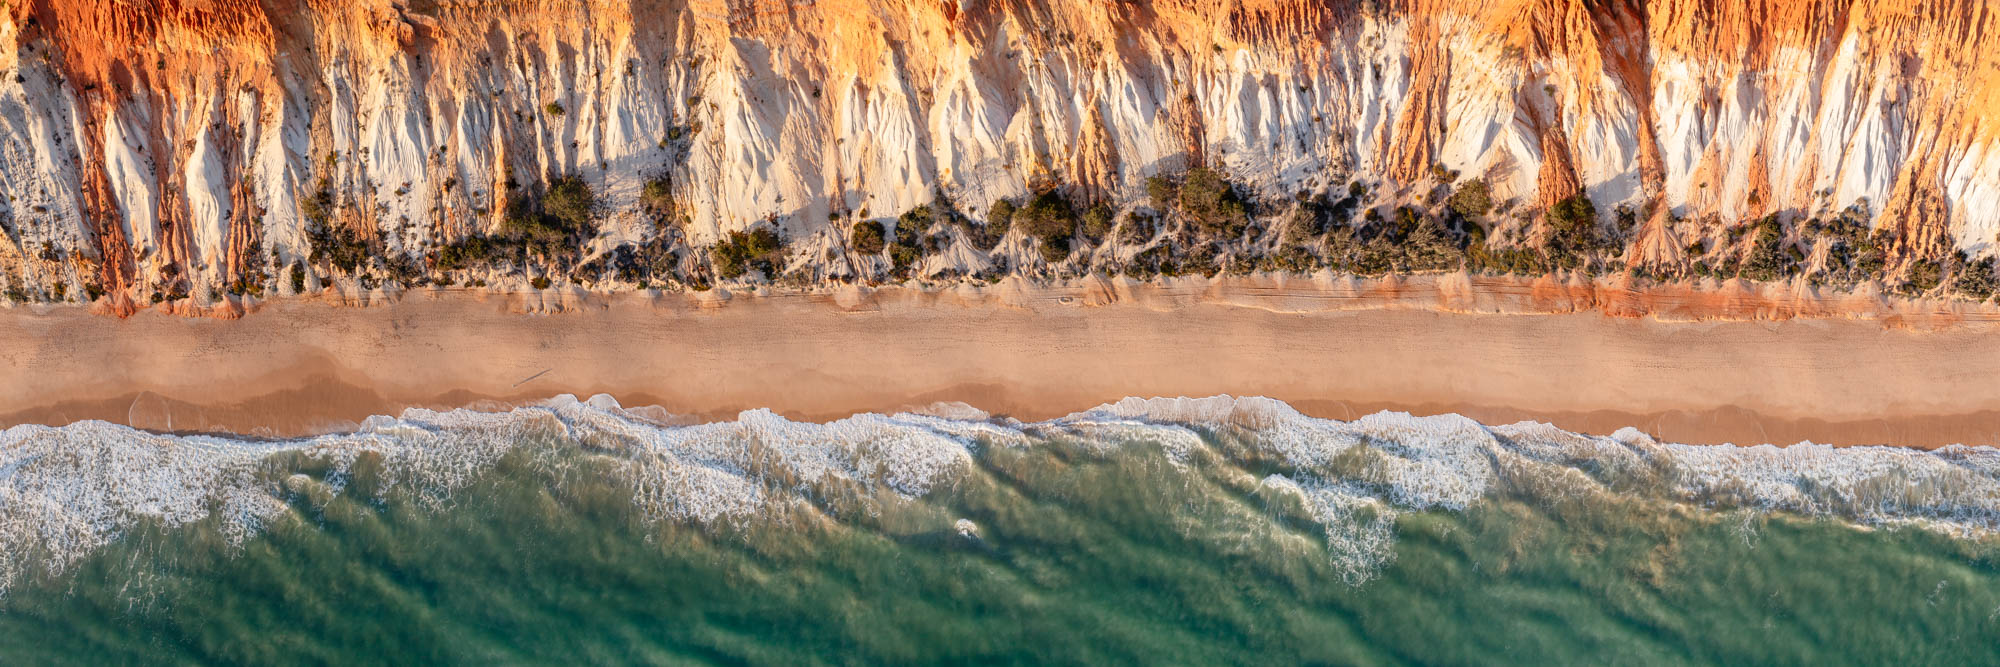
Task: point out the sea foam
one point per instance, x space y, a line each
67 491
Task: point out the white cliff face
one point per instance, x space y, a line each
181 144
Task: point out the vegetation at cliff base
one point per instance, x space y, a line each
1051 219
868 237
1211 202
740 252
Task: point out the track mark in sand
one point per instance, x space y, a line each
545 371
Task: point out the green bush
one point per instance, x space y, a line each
1054 250
1098 221
555 226
1051 220
1573 232
317 206
1211 201
572 202
1768 259
1975 279
298 279
658 195
1137 228
525 225
1924 276
1472 200
1000 219
1429 247
915 223
540 282
869 238
342 248
553 109
1165 192
905 257
465 253
742 251
1308 221
1049 215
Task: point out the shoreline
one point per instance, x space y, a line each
1752 366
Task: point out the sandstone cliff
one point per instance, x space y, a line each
165 149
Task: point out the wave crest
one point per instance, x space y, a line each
67 491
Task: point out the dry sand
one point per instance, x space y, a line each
296 367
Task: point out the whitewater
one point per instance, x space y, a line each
67 492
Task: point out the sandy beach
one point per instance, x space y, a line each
301 367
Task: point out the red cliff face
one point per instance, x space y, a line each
154 146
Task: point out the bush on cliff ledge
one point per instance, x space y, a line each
869 238
740 252
1212 202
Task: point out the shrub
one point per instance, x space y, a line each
1768 257
298 278
572 202
1137 228
553 109
658 194
555 226
1307 222
540 282
1098 221
742 251
1211 201
1054 250
1049 215
530 227
1976 280
317 206
624 263
1051 220
465 253
1405 227
342 248
93 290
246 285
1625 223
915 223
1873 257
905 257
1572 231
1165 193
1429 247
1000 219
1924 276
869 238
1574 220
1471 200
403 269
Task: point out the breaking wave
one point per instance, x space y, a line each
68 491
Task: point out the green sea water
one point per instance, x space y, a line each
1071 545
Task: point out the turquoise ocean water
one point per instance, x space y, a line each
1163 531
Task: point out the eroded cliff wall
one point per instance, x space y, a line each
184 145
